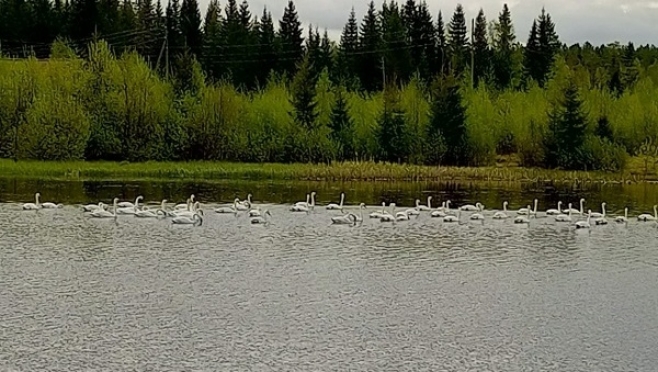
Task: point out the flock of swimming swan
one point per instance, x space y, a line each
190 213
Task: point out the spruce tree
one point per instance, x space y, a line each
326 59
313 50
503 50
347 68
447 136
342 127
629 71
392 135
567 128
426 38
369 58
292 41
531 56
442 53
84 18
175 38
212 40
190 24
267 58
603 129
397 66
458 41
481 50
41 29
304 104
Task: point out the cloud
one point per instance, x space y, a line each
596 21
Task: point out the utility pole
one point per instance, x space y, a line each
383 74
472 52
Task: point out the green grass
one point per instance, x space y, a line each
349 171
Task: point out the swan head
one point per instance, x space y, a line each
505 203
140 198
192 197
37 195
236 200
429 198
164 201
362 205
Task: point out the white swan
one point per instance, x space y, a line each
564 217
644 217
477 217
334 206
102 213
377 214
190 213
501 215
246 203
129 204
426 208
308 197
186 205
48 205
93 207
584 224
624 218
600 220
348 219
33 206
147 213
600 215
413 211
255 212
228 209
451 218
402 216
240 207
472 208
304 208
262 219
439 212
555 212
388 217
522 219
186 220
527 211
362 206
582 208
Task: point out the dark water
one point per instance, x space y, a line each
80 294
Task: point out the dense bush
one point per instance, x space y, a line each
118 108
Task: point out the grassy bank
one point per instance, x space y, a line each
350 171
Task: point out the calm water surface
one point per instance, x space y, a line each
80 294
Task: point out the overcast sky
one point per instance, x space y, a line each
597 21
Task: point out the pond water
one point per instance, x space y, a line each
300 294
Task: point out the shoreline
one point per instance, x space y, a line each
336 172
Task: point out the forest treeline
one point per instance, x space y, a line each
104 79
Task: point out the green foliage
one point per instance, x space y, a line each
447 128
563 144
393 136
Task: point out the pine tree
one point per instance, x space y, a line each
447 136
503 44
481 50
458 41
347 69
266 47
369 57
392 136
41 29
84 18
190 25
567 128
342 127
147 41
292 42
